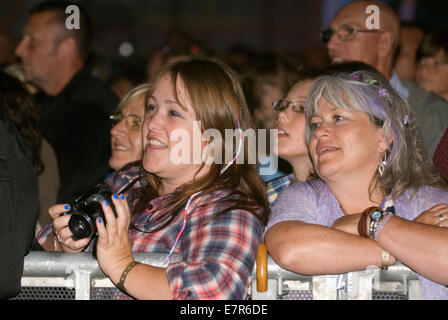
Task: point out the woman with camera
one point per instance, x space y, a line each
377 199
209 212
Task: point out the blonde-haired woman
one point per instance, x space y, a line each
126 132
212 214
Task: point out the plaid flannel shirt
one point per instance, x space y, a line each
217 256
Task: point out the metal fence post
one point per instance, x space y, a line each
324 287
414 290
361 285
82 284
270 294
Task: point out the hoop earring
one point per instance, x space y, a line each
382 165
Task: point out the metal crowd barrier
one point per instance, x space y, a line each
271 282
60 276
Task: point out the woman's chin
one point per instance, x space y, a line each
116 164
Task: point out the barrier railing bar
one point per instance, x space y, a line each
81 271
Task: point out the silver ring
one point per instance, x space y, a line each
59 239
441 218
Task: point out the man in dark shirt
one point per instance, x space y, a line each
74 106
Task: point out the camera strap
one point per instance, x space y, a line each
128 186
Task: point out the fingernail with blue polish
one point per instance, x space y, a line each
122 196
99 220
105 202
67 207
115 196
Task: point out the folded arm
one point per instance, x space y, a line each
311 249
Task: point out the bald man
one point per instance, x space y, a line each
349 39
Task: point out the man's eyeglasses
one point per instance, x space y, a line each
345 32
133 122
296 106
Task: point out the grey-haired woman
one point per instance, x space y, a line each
377 199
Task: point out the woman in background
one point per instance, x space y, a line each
126 132
432 64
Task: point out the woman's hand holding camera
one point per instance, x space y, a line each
62 236
114 251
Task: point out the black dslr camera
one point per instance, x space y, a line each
86 209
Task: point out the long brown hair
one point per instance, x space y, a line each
22 109
218 102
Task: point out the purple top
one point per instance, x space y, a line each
314 203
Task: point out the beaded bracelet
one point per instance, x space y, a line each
120 284
380 227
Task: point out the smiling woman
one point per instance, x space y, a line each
164 115
126 132
377 199
212 215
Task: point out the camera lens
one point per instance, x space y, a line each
81 225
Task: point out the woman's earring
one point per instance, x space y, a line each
383 164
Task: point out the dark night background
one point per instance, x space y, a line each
284 25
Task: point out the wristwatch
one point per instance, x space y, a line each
375 218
